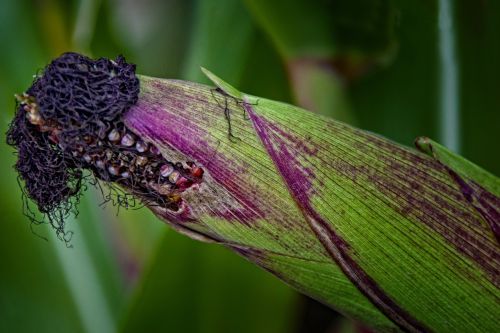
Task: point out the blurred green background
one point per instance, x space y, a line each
399 68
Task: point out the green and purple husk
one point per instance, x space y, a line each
392 237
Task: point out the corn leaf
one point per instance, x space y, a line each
389 236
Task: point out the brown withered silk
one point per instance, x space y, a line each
70 120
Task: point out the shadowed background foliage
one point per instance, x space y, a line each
377 64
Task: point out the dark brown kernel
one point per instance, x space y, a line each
154 150
141 160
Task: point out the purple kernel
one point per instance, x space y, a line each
154 150
99 164
166 170
141 146
128 140
114 135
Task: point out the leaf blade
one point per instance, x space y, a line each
390 217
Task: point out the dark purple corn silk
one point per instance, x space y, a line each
81 103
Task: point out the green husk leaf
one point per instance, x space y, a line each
387 235
460 165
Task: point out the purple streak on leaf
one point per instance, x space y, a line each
298 180
162 115
148 118
487 204
418 187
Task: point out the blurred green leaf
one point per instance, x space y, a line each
401 101
221 37
192 287
155 33
327 44
326 29
478 48
320 89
